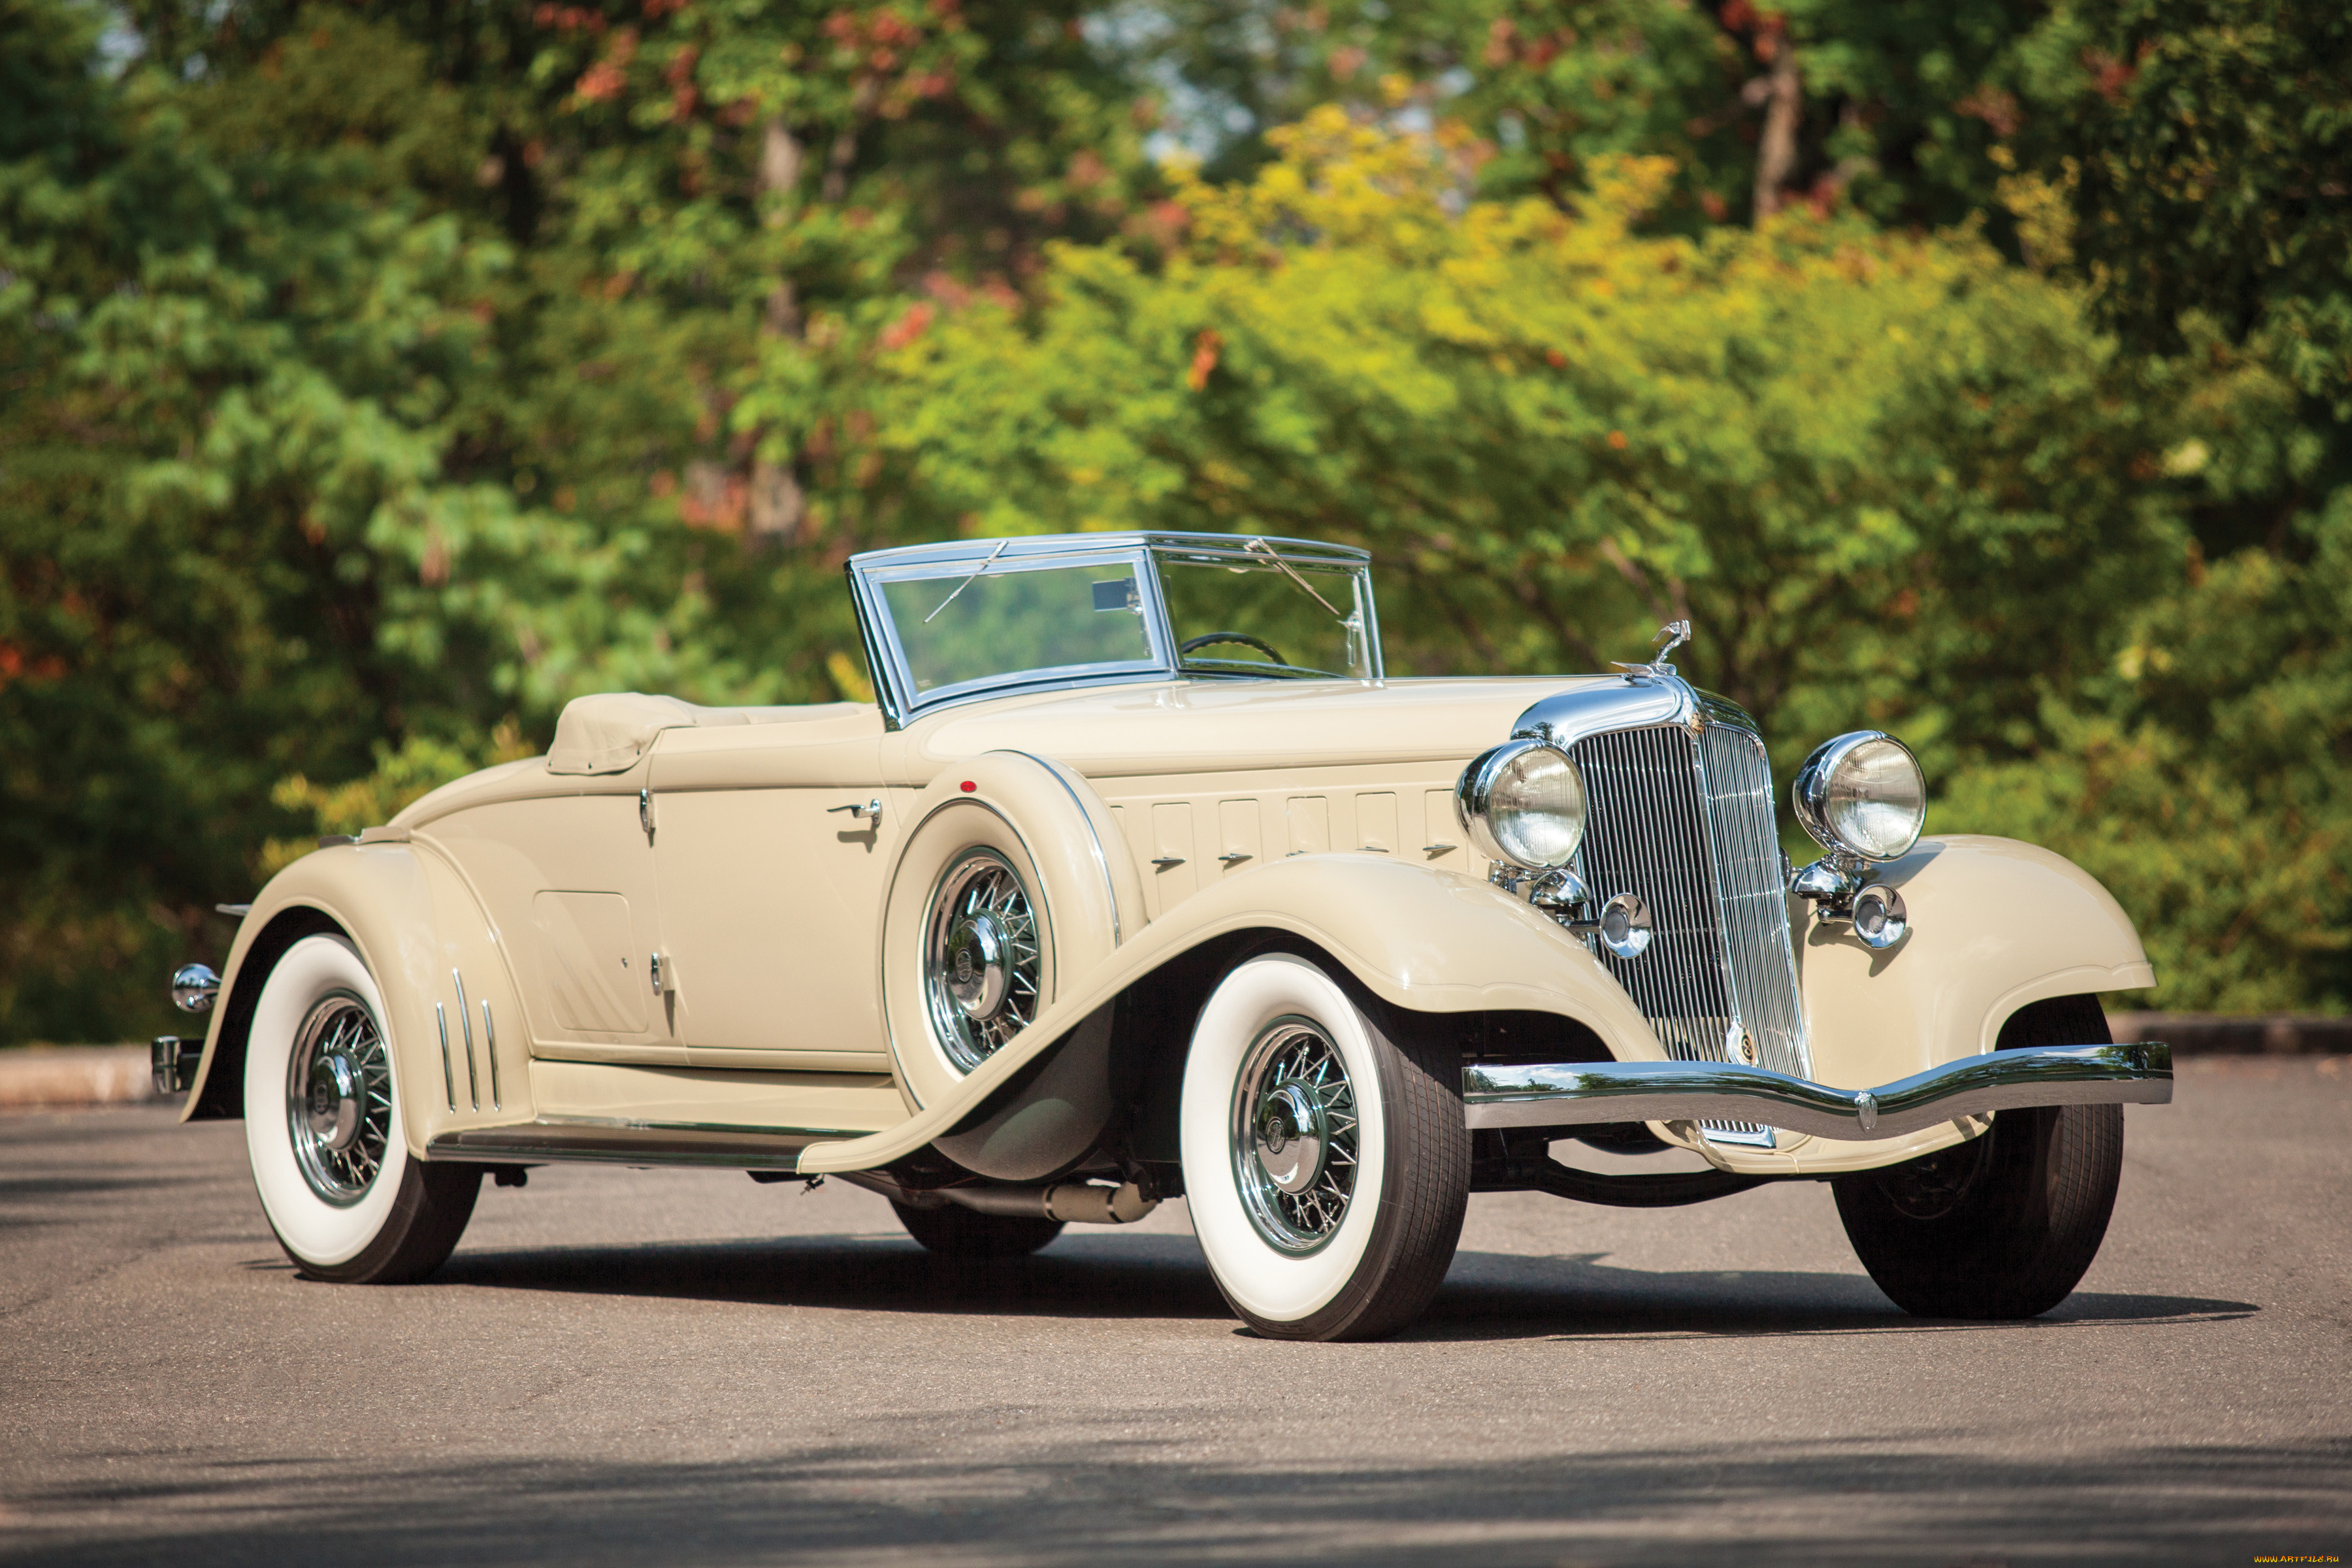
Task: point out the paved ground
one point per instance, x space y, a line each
622 1367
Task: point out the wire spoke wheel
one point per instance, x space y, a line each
981 966
1296 1136
339 1099
326 1130
1326 1160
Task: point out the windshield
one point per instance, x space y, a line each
1234 616
998 619
950 622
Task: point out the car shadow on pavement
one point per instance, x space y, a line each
1140 1277
990 1486
1486 1296
1509 1296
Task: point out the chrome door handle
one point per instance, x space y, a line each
870 812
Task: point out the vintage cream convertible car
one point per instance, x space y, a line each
1142 878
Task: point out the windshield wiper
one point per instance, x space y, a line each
976 570
1309 588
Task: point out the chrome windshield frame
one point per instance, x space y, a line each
894 685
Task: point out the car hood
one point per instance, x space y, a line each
1193 726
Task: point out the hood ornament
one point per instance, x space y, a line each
1671 636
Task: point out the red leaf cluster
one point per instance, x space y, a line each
1205 348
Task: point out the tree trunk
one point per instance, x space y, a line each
776 504
1776 153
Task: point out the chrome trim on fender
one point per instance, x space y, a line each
490 1047
1569 1094
465 1023
441 1021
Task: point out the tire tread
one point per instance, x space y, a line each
2022 1239
1427 1189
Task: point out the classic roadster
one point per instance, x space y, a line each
1142 878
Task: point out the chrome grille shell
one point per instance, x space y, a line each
1681 811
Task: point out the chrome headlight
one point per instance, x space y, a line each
1864 794
1523 802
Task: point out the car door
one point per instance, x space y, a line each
771 867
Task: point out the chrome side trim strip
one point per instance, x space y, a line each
490 1046
466 1021
1568 1094
448 1083
566 1140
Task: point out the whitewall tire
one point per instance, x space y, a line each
324 1133
1326 1161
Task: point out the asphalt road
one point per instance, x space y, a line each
624 1367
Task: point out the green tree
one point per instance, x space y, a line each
1872 466
374 373
1893 480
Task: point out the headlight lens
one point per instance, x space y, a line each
1863 793
1523 802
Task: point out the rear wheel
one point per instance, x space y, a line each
2006 1225
324 1133
1326 1161
954 1231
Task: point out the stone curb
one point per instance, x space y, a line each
2239 1034
44 1077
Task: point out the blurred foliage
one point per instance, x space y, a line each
375 377
374 372
1879 470
418 767
1892 480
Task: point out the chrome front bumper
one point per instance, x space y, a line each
1571 1094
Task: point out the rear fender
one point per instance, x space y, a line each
422 934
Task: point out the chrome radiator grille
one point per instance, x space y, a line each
1687 824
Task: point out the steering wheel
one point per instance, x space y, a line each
1205 639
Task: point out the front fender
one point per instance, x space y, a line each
421 933
1995 924
1421 938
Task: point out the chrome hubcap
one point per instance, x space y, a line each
1291 1138
339 1099
1296 1136
981 967
334 1103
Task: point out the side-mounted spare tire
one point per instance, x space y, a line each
324 1133
1011 884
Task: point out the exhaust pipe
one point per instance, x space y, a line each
1073 1202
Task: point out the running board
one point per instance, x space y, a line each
1574 1094
592 1141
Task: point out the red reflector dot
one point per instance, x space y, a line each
969 786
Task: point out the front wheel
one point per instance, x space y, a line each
324 1133
2006 1225
1325 1160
